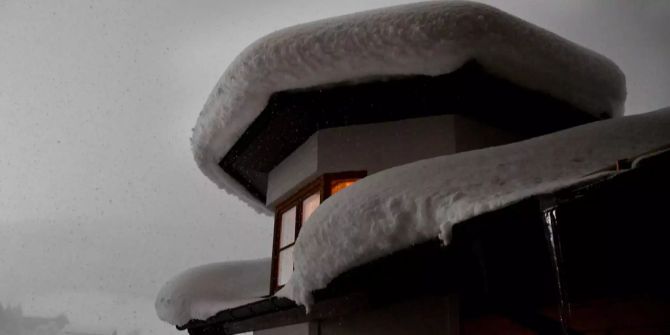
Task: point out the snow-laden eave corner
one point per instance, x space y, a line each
429 38
201 292
209 166
413 203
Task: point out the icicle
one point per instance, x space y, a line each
551 232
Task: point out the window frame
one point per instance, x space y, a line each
321 185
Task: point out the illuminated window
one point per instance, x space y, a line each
287 236
285 267
309 205
293 213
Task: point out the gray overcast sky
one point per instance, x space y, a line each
100 200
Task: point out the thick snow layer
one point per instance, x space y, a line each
201 292
429 38
402 206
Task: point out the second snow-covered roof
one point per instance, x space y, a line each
410 204
429 38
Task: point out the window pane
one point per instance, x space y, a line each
339 185
309 205
285 265
287 234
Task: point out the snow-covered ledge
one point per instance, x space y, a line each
409 204
428 38
203 291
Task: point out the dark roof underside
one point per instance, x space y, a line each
291 117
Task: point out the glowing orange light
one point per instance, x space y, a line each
339 185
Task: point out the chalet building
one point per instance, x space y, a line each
307 112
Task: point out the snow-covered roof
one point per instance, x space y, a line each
201 292
429 38
409 204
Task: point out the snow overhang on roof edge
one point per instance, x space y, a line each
429 38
